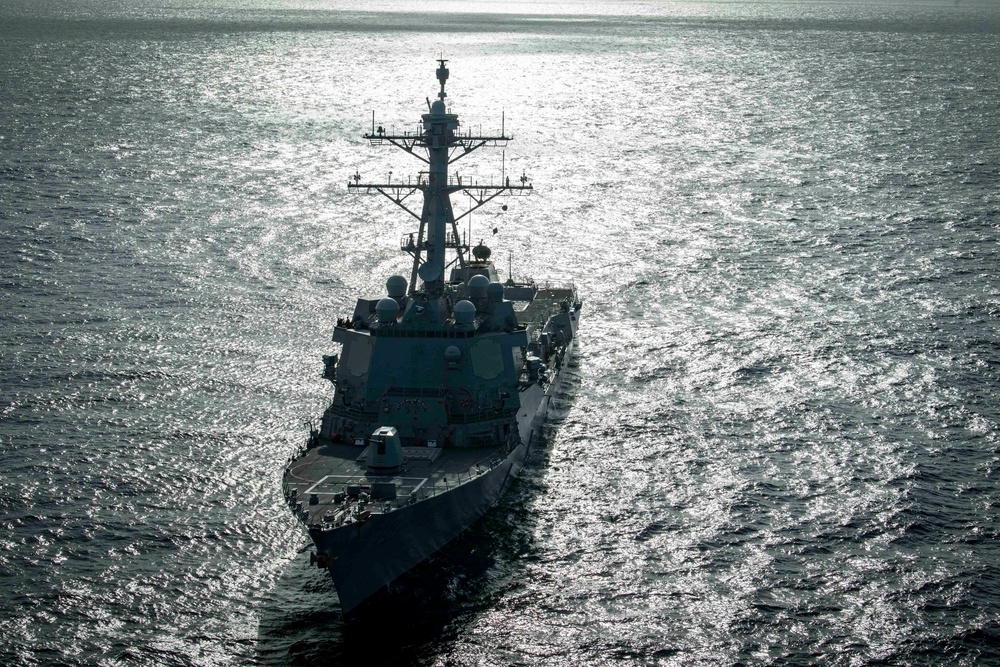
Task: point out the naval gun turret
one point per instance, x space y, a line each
385 453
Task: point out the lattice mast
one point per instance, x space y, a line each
442 143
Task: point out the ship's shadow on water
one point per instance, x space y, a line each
304 625
417 618
406 624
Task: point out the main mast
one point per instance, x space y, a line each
442 143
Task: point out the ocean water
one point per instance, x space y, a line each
779 442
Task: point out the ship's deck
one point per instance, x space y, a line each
331 485
547 302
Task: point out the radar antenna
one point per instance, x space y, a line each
438 142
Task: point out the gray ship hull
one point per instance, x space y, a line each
370 556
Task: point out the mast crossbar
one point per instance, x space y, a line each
438 142
469 144
479 195
399 193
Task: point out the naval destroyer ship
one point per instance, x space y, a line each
438 386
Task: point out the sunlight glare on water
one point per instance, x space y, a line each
778 444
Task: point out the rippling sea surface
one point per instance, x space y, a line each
779 442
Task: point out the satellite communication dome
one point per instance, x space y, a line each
478 285
387 309
395 287
495 291
465 312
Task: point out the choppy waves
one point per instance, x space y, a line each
779 445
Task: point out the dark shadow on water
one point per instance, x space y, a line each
306 627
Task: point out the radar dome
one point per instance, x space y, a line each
465 312
387 309
452 353
495 291
395 287
478 285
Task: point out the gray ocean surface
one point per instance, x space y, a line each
779 442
